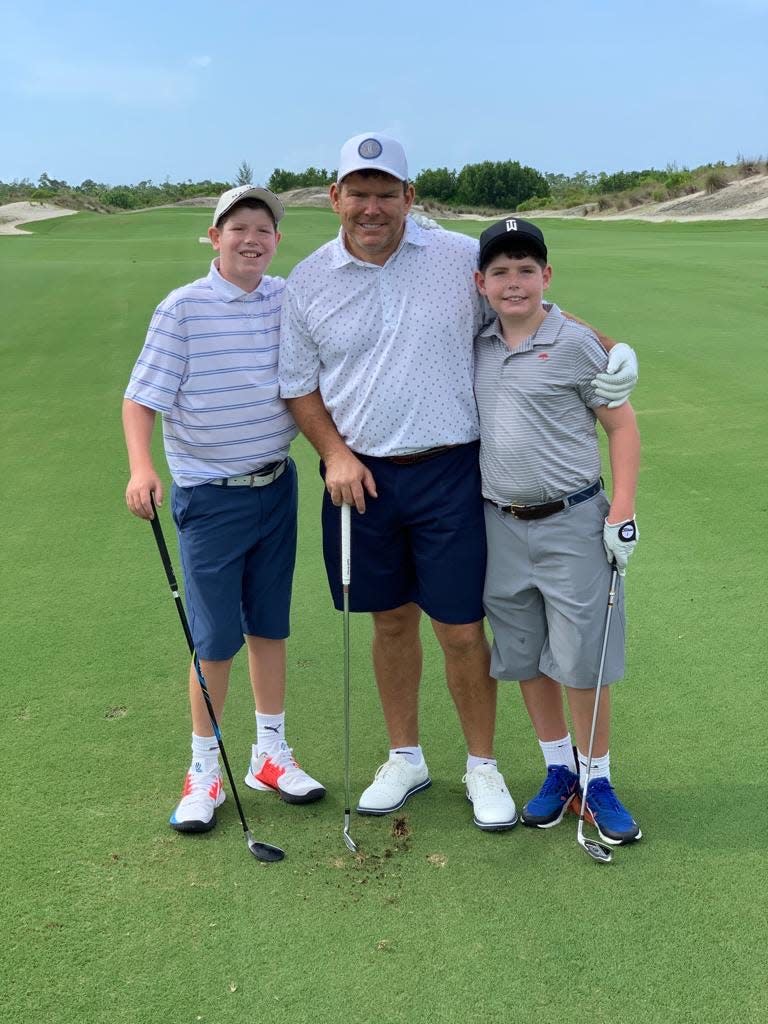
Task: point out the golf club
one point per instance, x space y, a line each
261 851
598 851
346 575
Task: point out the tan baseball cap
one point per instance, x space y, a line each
228 199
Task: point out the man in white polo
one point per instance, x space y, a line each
376 366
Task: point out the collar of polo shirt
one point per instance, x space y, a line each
229 292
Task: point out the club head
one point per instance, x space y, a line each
349 841
264 851
596 850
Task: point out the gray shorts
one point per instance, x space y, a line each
546 595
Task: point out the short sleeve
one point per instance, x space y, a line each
299 361
162 363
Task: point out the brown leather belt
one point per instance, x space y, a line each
414 457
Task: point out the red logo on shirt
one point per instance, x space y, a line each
543 355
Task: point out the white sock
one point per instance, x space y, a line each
270 732
559 752
601 768
205 752
473 762
412 754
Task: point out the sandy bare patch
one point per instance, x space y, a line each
13 214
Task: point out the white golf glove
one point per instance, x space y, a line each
423 221
618 380
619 541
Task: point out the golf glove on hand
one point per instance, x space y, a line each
620 376
619 541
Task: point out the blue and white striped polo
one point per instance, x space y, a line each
209 365
538 440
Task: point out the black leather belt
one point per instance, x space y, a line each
414 457
549 508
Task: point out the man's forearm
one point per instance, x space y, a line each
315 423
604 340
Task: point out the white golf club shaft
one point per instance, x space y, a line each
346 576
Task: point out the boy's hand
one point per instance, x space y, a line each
620 376
138 490
619 541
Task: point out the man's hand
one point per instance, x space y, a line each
347 479
138 490
620 376
619 541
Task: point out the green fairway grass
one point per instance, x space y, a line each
109 916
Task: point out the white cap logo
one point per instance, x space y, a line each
511 225
369 149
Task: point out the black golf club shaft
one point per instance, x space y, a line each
162 547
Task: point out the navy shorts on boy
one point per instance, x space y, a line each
238 549
421 540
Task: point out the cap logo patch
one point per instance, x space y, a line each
369 149
511 225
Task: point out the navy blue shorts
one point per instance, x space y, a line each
421 540
238 550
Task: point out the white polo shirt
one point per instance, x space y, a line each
390 348
209 365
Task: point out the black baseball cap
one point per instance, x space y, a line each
511 232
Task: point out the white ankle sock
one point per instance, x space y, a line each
270 732
473 762
412 754
559 752
601 768
205 751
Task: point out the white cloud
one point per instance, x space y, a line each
200 62
126 85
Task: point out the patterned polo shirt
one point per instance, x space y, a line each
209 365
538 440
390 348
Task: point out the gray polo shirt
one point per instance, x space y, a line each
538 440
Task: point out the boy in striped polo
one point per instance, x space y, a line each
551 531
209 366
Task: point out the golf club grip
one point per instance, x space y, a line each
346 544
162 547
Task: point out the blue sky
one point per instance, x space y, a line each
122 93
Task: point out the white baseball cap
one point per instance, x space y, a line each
228 199
372 151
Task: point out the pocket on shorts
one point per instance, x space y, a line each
181 503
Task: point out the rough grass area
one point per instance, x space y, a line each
109 916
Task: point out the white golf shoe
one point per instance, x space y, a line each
494 809
201 795
395 781
280 772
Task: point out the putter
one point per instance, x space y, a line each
597 851
346 575
261 851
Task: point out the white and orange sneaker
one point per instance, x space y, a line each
279 772
201 795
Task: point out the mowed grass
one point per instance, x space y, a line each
110 916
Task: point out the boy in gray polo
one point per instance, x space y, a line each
552 533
